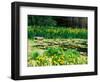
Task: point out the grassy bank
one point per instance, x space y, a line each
57 32
54 55
58 46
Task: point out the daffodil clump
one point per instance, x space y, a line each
56 56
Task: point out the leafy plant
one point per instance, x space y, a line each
56 56
56 32
51 51
34 55
72 53
72 56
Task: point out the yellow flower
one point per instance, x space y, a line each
51 56
59 60
62 62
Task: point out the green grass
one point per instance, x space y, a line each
57 32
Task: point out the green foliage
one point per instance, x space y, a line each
72 53
56 32
58 60
51 51
30 33
34 55
57 56
71 56
42 60
41 21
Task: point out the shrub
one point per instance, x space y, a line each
51 51
72 56
30 33
72 52
34 55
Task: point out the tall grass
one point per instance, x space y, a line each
57 32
